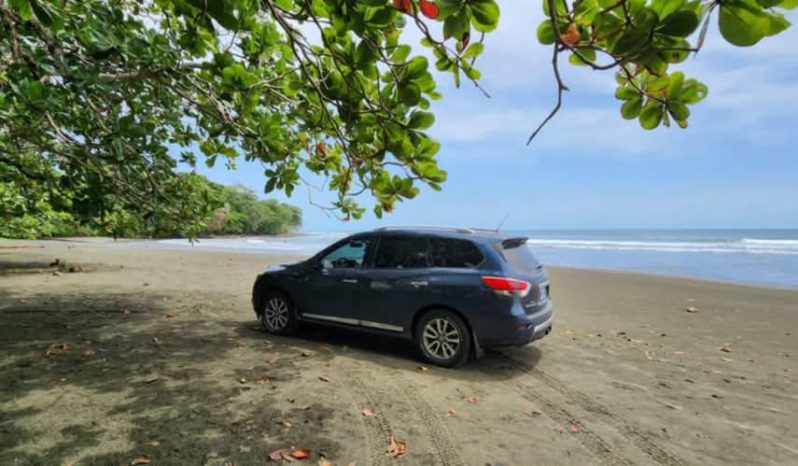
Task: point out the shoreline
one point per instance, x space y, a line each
161 246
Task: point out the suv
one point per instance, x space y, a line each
453 291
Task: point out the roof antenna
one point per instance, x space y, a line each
502 222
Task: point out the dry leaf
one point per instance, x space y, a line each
287 424
169 316
145 284
367 412
324 462
649 355
571 35
140 460
88 352
397 447
305 354
125 311
532 413
691 309
423 368
151 379
153 443
451 413
323 378
573 427
305 407
300 453
242 380
277 455
264 380
57 348
272 360
473 400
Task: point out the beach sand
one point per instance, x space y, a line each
156 354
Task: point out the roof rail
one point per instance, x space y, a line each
421 227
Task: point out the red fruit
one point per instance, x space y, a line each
404 5
429 9
320 149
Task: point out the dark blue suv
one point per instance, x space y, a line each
453 291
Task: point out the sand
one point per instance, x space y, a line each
156 354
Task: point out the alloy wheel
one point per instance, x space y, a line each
275 315
441 338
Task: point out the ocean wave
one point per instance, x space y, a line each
747 245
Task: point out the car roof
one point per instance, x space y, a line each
473 234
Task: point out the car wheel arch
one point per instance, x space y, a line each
436 307
271 289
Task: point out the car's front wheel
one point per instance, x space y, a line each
278 314
443 338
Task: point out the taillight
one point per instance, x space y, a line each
507 286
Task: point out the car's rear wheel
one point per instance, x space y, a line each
278 314
443 338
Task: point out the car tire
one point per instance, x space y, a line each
443 338
278 315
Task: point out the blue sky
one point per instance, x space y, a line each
735 166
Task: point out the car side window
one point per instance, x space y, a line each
348 256
454 253
401 252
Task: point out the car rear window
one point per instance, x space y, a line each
518 255
401 252
454 253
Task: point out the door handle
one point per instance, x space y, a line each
349 280
419 284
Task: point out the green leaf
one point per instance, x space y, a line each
788 4
744 23
626 93
23 9
680 24
455 25
421 120
663 8
364 53
416 67
474 50
679 111
651 116
631 108
485 14
373 2
222 11
409 94
693 92
546 33
587 53
676 83
401 53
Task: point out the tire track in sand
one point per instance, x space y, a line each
641 440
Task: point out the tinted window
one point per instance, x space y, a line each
347 256
520 258
456 253
401 252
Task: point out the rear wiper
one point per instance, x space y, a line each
510 243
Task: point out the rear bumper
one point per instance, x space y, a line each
520 330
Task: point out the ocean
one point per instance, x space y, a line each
749 256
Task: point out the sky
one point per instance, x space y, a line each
736 166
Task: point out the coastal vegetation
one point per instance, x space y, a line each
114 95
60 206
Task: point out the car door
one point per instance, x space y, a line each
395 282
333 289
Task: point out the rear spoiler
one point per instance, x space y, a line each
510 243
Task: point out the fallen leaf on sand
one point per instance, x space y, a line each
305 354
264 380
272 360
277 455
396 447
367 412
324 462
88 352
140 460
423 368
287 424
145 284
125 311
153 443
169 316
473 400
724 359
726 348
305 407
57 348
151 379
323 378
569 333
451 413
649 355
573 427
532 413
691 309
300 453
